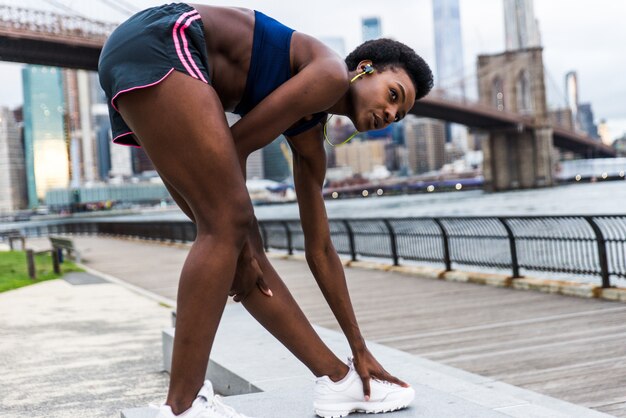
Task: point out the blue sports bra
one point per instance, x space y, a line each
270 67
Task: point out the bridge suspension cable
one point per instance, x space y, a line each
560 93
121 6
65 8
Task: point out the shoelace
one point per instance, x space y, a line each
384 382
217 405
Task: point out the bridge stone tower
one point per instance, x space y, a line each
513 81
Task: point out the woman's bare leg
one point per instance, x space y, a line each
181 126
283 318
280 314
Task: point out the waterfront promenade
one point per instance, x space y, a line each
565 347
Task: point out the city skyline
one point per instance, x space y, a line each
573 39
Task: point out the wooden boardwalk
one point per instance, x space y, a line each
565 347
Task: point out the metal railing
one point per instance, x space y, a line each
574 245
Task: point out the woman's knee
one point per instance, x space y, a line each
233 222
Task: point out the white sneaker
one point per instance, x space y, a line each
206 405
338 399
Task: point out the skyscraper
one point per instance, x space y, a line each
101 126
141 161
121 161
605 133
12 167
585 117
361 156
571 90
276 160
425 143
449 46
521 27
254 163
80 125
371 28
46 151
449 59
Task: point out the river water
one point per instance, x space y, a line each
573 199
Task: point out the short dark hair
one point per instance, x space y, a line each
386 53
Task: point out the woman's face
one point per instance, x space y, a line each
381 98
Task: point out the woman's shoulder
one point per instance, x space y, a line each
307 50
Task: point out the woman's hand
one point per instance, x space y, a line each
248 276
367 367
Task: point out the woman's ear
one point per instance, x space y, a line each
364 65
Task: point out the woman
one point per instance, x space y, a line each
170 72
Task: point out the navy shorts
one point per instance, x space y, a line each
144 50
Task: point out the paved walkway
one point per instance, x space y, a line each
79 350
565 347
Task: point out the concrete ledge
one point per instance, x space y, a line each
420 271
491 279
225 381
299 404
245 357
613 293
369 265
583 290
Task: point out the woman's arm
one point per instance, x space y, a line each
309 169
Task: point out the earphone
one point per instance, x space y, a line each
369 69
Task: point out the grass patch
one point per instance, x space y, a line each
14 271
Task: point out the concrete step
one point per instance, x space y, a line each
271 383
299 404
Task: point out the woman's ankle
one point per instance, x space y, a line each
178 407
339 372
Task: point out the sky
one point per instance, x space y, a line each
582 35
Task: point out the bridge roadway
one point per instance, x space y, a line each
45 38
475 115
565 347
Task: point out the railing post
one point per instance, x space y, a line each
604 264
289 243
394 246
183 231
446 245
56 265
170 227
513 247
30 262
350 239
266 245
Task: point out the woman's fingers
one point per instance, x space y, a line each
392 379
264 288
260 284
366 387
